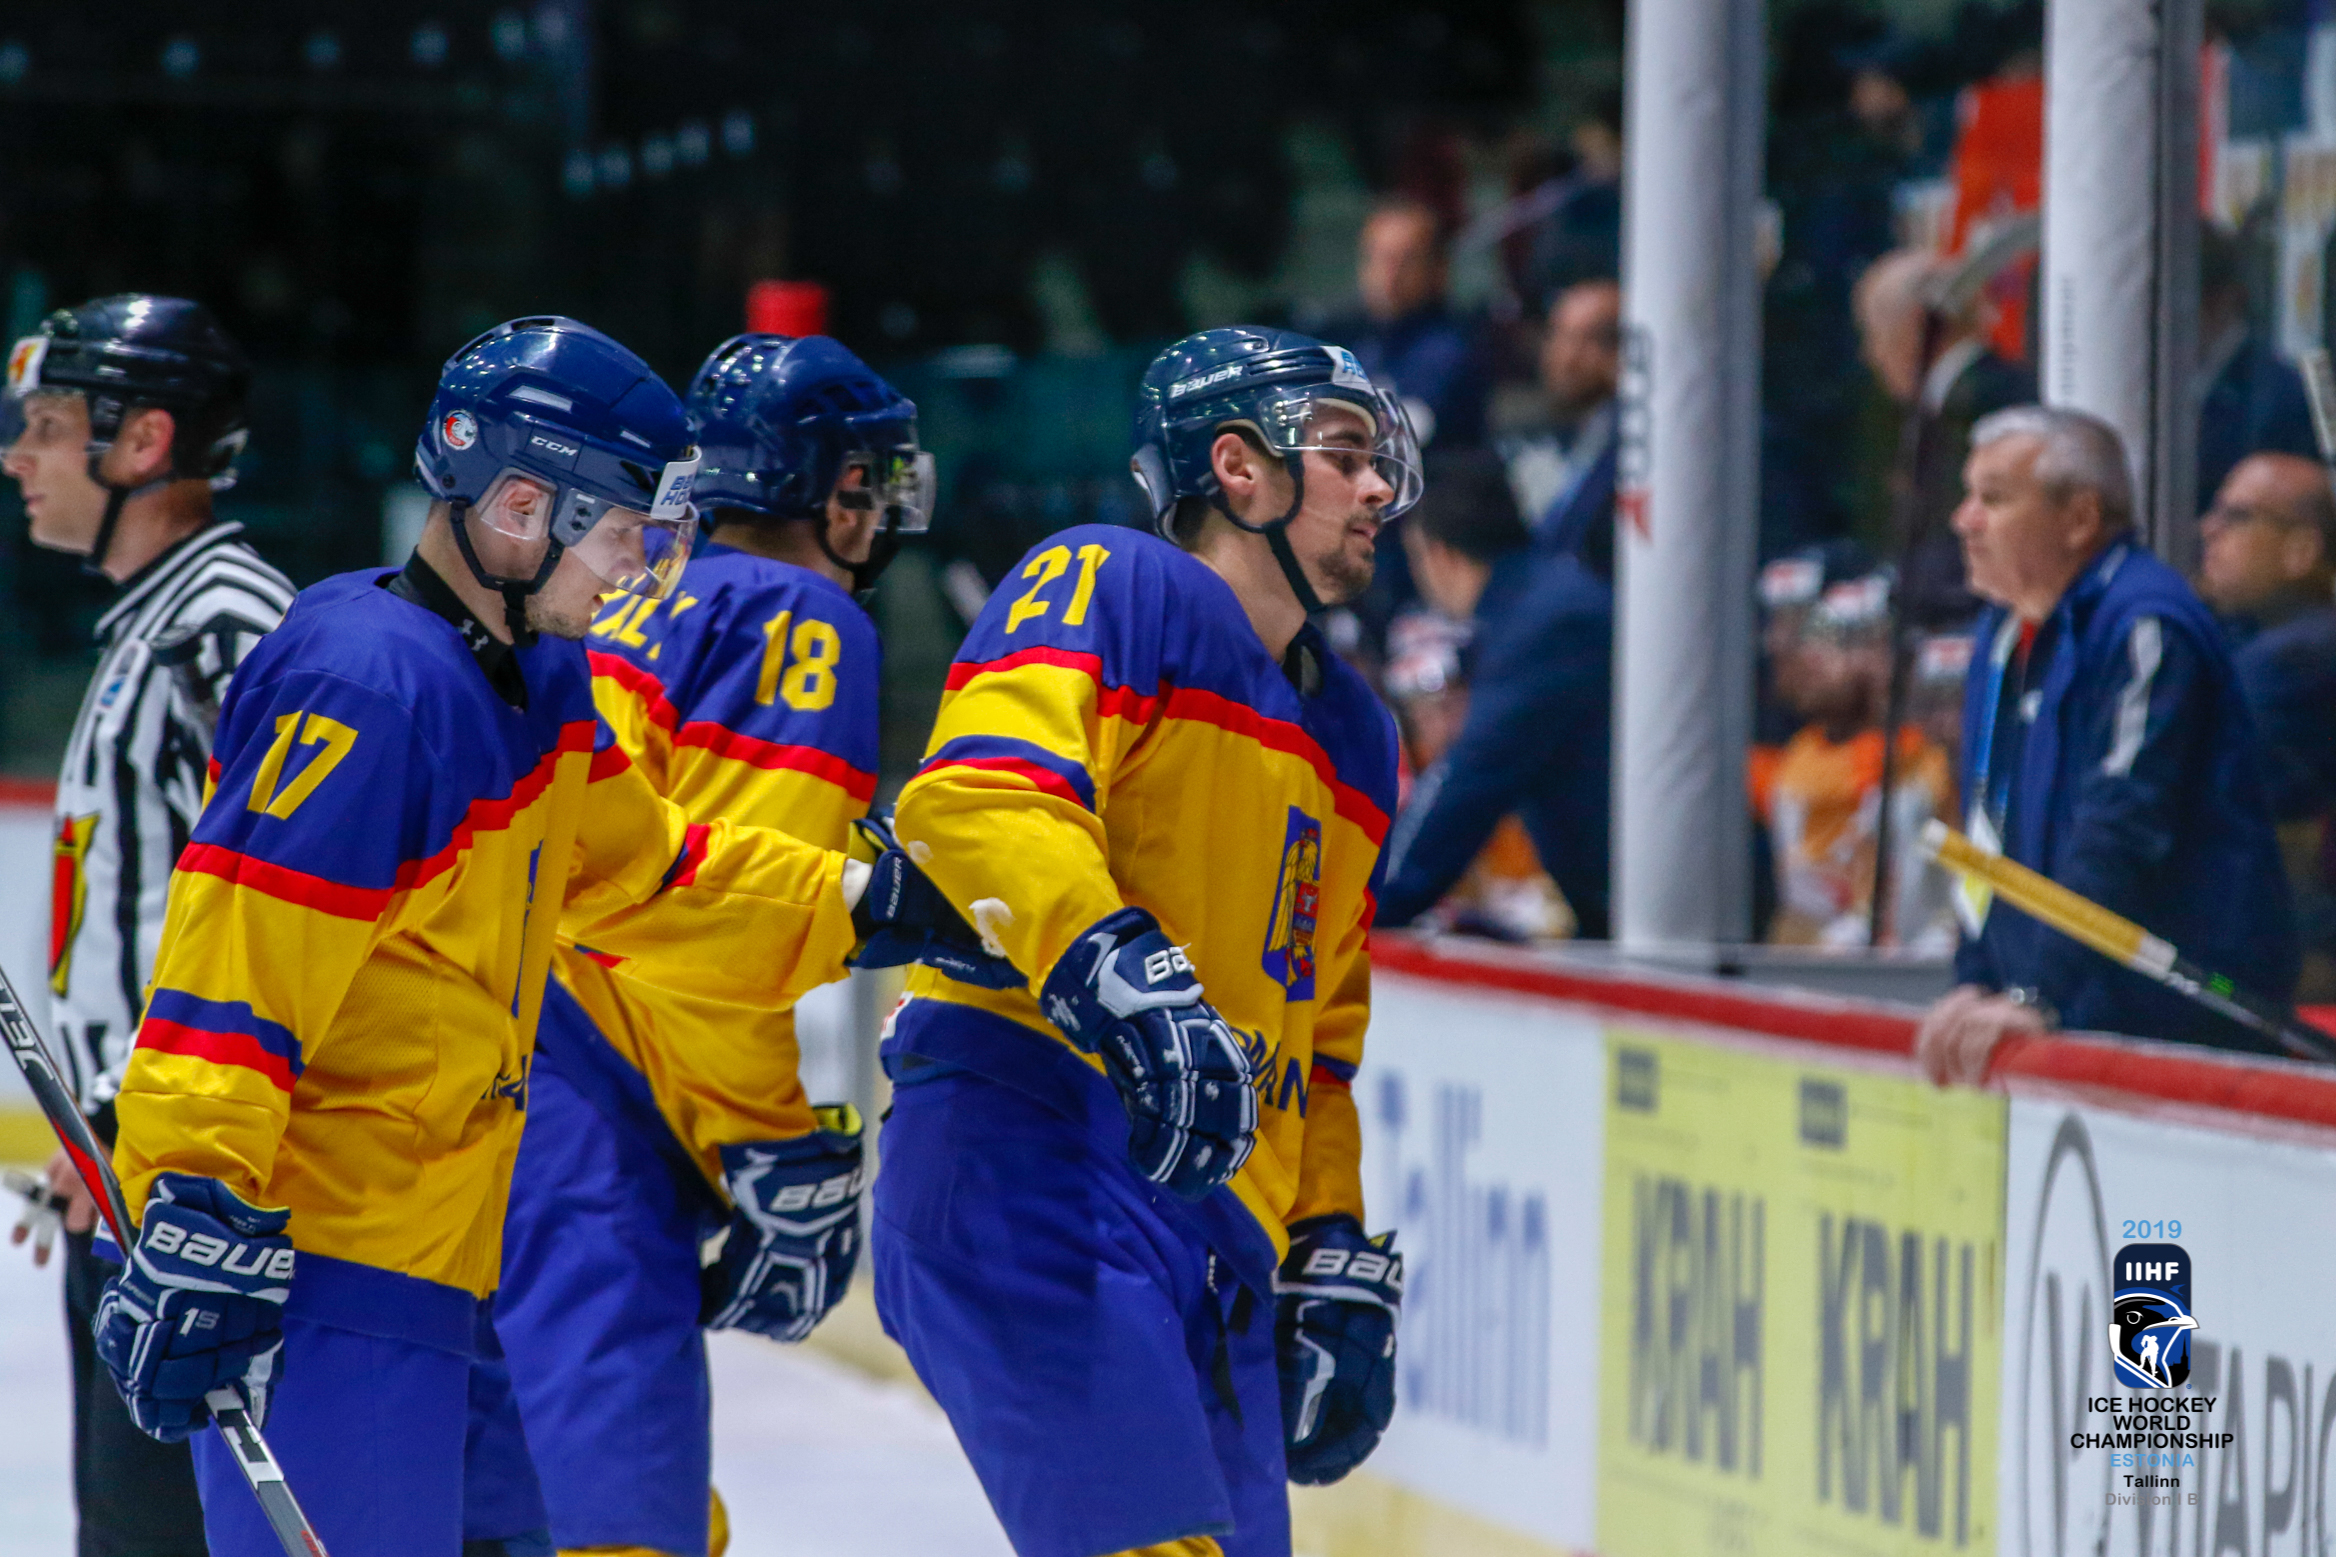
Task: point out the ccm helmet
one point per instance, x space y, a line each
1269 382
559 404
129 352
779 419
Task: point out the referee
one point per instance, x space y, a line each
132 415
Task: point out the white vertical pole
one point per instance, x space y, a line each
2121 239
1688 514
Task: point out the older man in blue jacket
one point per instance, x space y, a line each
2106 744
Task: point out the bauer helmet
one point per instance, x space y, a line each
779 419
558 403
1270 382
131 351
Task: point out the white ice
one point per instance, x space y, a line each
813 1458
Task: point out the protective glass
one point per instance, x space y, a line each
903 480
1293 421
632 552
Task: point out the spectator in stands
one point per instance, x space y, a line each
2106 744
1820 795
1540 700
2269 566
1581 237
1408 335
1931 356
2254 401
1564 479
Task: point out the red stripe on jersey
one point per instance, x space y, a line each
752 750
605 959
486 816
607 763
286 885
693 854
643 685
238 1049
1040 779
1279 735
1201 708
1322 1076
213 769
1068 659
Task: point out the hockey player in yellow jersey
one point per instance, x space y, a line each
1119 1229
659 1119
413 800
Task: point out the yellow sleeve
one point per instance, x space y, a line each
1330 1178
740 914
319 815
1005 816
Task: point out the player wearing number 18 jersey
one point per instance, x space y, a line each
1153 787
658 1116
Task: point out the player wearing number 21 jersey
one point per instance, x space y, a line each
1156 791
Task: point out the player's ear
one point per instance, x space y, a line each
1236 464
144 444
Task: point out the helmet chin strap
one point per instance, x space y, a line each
883 546
514 591
116 498
1277 535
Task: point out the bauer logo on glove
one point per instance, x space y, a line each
1127 994
1336 1300
200 1304
794 1234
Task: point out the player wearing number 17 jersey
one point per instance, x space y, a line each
1156 791
659 1117
414 797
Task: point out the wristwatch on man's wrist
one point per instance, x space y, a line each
2033 998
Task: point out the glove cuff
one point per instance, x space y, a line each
1067 997
208 1197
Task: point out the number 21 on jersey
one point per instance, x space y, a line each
1045 568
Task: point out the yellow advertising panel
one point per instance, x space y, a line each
1800 1321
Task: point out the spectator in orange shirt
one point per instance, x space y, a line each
1821 794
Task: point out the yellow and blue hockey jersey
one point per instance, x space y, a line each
750 694
345 1000
1114 733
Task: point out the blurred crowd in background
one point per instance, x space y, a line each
1437 187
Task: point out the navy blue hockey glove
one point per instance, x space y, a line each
1336 1300
1125 992
902 917
199 1305
795 1230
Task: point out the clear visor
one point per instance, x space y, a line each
1348 424
630 551
903 482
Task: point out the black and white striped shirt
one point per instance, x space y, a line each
133 783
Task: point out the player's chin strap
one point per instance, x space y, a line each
104 423
1277 534
514 591
883 546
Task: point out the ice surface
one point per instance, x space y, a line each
813 1458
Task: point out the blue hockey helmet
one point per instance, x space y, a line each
128 352
601 440
781 418
1271 383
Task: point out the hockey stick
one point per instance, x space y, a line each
2123 942
250 1450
